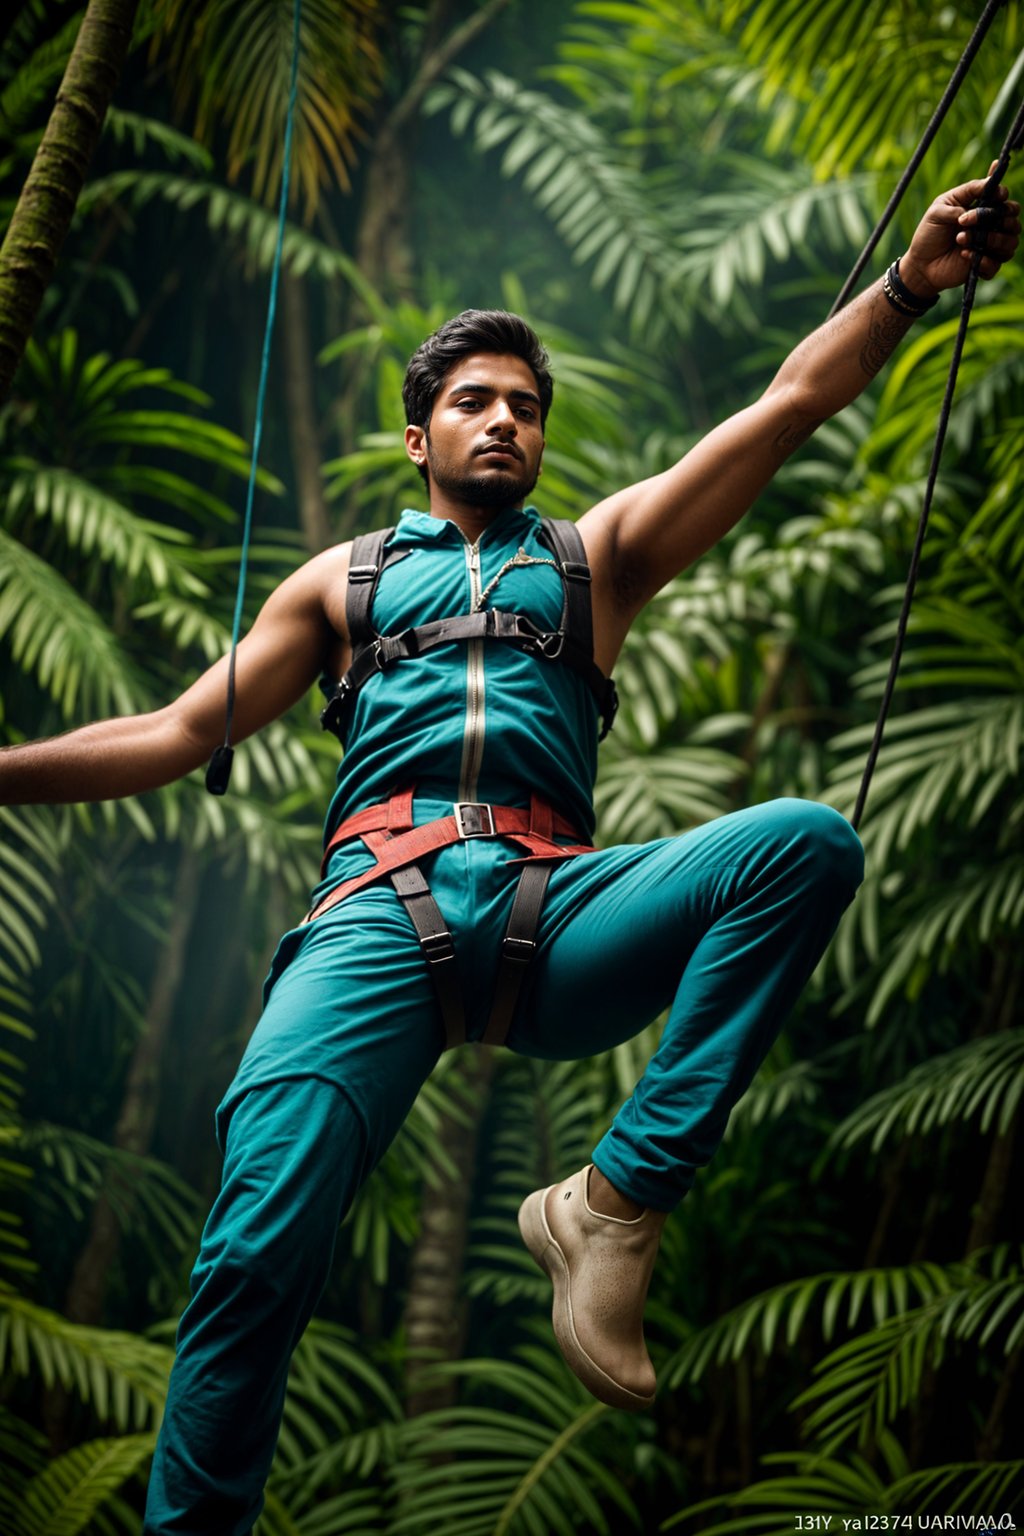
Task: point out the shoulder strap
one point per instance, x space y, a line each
372 652
563 539
364 570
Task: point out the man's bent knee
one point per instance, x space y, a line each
820 840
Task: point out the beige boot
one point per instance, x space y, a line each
600 1267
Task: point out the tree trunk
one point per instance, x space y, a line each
1000 1016
383 246
990 1441
435 1318
891 1202
45 208
995 1189
300 409
134 1131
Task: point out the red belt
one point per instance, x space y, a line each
389 834
387 831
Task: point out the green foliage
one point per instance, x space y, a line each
980 1081
659 256
120 1376
229 215
519 1471
65 1498
682 186
865 1384
238 67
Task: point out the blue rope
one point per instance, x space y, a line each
219 771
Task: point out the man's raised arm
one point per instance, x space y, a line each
278 660
642 537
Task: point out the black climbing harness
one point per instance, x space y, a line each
571 644
387 830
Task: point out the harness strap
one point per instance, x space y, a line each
438 948
492 624
387 832
577 625
409 847
572 643
473 820
368 557
518 949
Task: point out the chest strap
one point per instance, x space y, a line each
387 832
572 644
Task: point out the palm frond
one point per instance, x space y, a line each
816 1484
990 374
866 1383
777 1095
237 65
29 863
959 1486
939 761
777 1317
76 1169
65 1498
640 798
30 76
986 901
57 637
235 218
138 131
515 1471
22 1454
93 522
588 188
982 1080
120 1376
862 74
332 1390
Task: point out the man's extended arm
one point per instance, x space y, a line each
277 662
638 539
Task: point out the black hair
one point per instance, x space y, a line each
475 330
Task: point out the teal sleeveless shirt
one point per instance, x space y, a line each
478 720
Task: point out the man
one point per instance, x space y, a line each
468 746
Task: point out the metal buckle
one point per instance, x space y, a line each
437 947
474 819
521 950
539 642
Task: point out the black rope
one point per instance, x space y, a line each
988 198
956 80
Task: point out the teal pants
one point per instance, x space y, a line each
722 926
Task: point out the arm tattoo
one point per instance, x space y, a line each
886 331
796 432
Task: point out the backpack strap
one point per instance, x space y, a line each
572 644
365 564
577 625
369 556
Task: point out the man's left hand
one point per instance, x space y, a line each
952 230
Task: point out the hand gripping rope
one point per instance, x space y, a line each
989 199
219 770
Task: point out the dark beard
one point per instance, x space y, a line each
491 491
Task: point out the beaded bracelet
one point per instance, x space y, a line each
901 297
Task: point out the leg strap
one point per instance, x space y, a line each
518 949
438 948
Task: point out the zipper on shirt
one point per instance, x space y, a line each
473 729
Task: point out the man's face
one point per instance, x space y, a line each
485 440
